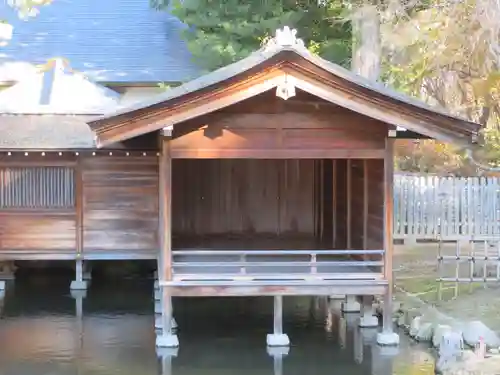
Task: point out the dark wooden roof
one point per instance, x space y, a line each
285 56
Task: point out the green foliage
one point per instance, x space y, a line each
220 32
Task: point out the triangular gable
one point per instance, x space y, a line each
283 62
56 89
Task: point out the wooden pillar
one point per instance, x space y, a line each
365 204
167 338
388 223
388 336
349 204
334 202
165 208
79 283
79 207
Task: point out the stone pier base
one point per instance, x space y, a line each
7 270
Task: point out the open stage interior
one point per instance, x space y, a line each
266 218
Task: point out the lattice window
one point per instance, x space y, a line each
37 188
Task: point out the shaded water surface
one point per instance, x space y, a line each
44 330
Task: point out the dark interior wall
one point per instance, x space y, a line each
243 197
375 220
359 204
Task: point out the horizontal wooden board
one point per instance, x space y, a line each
41 231
118 240
315 134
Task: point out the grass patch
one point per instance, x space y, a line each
428 289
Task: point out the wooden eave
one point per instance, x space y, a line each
264 71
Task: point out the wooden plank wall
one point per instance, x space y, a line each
28 232
37 211
120 205
269 127
210 197
243 197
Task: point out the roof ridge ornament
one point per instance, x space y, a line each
283 38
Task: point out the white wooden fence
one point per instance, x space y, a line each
451 208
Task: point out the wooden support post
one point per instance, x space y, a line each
349 204
388 337
79 207
321 199
365 204
278 338
167 338
79 283
334 202
165 212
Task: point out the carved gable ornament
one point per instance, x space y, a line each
284 38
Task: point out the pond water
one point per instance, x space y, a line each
44 330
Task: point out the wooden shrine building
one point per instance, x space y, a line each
271 176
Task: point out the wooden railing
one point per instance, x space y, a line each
275 264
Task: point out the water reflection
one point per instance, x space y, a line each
44 329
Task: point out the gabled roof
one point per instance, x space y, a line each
283 60
56 89
123 41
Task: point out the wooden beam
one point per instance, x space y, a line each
349 204
145 124
79 208
379 112
165 212
334 202
388 224
199 153
366 287
321 199
365 204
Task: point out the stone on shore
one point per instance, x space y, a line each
400 321
475 330
410 315
415 326
437 336
424 332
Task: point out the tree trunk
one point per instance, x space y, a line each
366 51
